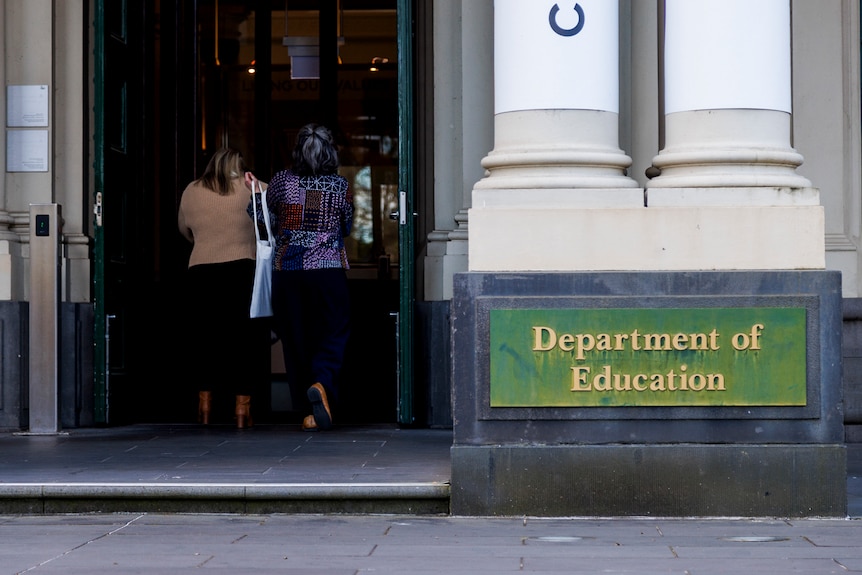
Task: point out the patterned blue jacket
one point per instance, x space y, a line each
310 216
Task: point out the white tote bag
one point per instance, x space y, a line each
261 295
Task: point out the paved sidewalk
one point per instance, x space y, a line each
173 461
380 545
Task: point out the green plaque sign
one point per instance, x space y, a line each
648 357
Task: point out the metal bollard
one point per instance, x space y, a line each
45 230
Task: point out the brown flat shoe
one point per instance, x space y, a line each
320 406
308 424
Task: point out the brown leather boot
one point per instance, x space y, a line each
204 406
243 411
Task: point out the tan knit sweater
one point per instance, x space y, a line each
219 227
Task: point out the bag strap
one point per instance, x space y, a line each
265 210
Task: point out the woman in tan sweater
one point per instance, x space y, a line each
229 351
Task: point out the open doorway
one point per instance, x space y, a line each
246 75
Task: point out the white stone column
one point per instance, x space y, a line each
556 135
728 191
556 90
728 197
5 219
69 159
727 80
463 128
4 19
27 40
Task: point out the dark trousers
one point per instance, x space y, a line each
229 352
312 318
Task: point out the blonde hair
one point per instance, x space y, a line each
225 165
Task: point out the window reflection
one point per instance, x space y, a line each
374 234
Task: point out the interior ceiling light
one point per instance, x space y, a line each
376 62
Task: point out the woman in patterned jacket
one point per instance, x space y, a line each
311 212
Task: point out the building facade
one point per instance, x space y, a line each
746 121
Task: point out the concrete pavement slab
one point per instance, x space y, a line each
375 544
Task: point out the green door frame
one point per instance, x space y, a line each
100 348
406 228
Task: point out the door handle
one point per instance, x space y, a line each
401 213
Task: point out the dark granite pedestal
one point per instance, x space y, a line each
715 460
